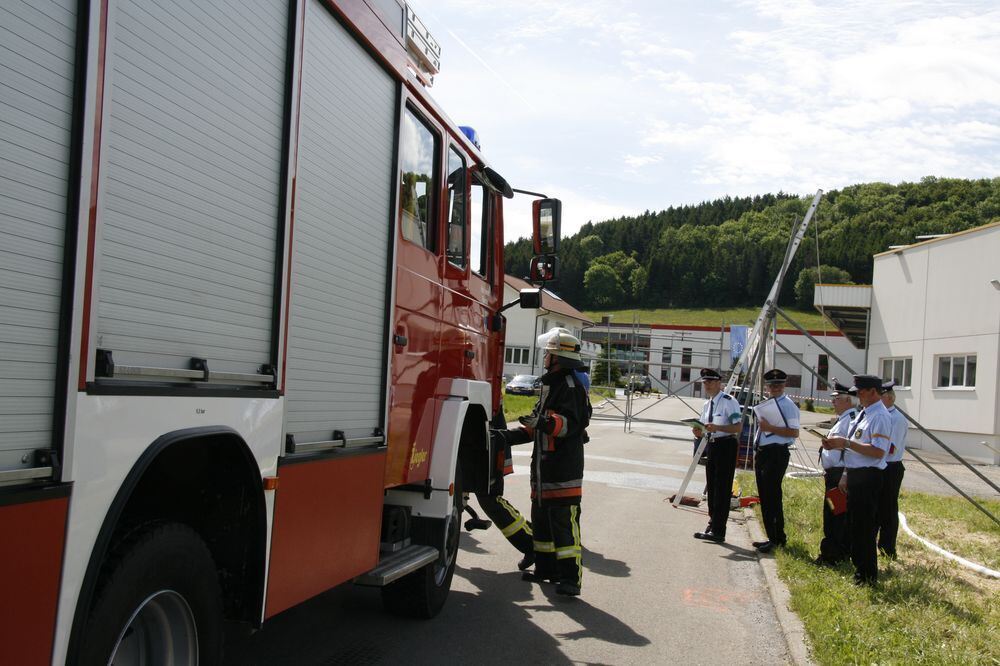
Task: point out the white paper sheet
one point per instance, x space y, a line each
768 410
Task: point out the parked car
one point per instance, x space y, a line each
639 384
524 385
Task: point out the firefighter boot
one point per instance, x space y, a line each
567 589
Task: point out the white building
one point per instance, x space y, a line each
935 329
524 326
675 354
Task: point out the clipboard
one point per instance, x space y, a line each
836 500
769 411
694 423
816 433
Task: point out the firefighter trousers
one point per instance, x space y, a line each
558 549
508 520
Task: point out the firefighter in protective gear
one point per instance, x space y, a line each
515 528
558 428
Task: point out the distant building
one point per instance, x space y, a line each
524 326
933 326
675 354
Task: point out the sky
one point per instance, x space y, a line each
617 107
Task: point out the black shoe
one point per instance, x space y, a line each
526 561
758 544
708 536
765 547
532 577
568 589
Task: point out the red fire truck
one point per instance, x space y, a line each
251 325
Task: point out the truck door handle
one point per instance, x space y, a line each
399 340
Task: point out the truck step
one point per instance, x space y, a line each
394 566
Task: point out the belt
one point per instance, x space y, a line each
724 439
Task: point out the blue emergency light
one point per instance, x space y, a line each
471 134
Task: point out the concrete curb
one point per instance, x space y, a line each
791 626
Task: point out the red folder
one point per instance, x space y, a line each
836 500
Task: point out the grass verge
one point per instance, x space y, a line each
713 317
521 405
925 610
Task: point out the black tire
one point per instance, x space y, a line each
422 593
161 576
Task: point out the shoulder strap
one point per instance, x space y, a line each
780 410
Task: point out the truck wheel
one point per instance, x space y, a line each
422 593
158 602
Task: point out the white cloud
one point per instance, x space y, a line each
639 161
620 107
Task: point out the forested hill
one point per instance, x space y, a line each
727 252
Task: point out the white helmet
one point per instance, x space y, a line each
561 343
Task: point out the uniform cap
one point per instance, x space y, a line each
867 382
887 386
840 389
775 376
561 343
708 374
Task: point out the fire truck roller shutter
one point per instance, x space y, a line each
191 167
37 58
336 346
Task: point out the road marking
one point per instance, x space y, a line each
628 480
623 461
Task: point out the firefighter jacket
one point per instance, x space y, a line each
558 428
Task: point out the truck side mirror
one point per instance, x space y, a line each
530 299
544 268
546 218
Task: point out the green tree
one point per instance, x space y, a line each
810 277
602 366
603 287
591 247
639 280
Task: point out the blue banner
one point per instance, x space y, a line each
737 341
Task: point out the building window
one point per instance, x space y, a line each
516 355
956 371
686 362
823 370
665 355
899 370
665 373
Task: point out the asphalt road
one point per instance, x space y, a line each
651 593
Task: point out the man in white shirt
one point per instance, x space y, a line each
892 478
864 449
835 545
771 459
721 418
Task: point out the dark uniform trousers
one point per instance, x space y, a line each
863 487
558 550
719 471
508 520
836 543
888 507
770 464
